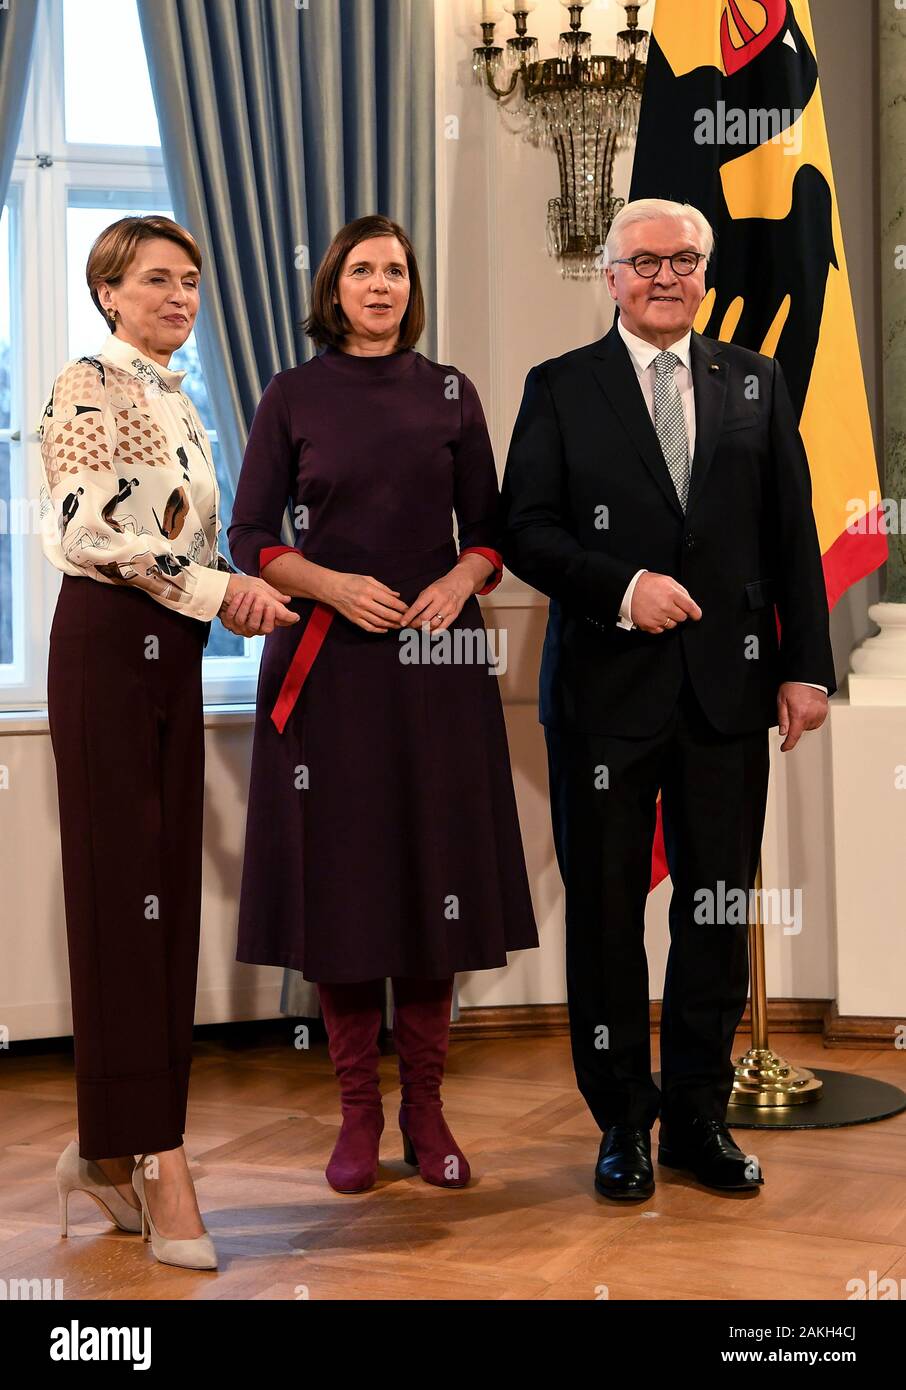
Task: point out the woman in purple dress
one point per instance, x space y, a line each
382 836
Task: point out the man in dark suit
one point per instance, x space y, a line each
657 490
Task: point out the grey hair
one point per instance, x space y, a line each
645 210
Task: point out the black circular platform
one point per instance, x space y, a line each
844 1100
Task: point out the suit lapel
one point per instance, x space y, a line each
709 383
616 375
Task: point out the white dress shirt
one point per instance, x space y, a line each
643 354
130 492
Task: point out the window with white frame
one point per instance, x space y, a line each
11 480
89 86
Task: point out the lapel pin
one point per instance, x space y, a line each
715 366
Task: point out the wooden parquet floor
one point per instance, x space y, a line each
262 1120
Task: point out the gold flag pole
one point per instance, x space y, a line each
762 1078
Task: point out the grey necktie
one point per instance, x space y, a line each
670 424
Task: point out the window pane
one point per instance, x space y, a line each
108 90
223 643
4 321
6 586
6 567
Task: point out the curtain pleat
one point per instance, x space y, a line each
17 35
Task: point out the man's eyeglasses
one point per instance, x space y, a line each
648 265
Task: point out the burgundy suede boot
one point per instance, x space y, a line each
421 1032
352 1016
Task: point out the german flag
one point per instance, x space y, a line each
732 121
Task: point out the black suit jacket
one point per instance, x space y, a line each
587 501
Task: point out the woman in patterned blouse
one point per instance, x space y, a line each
130 515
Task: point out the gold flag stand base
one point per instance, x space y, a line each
762 1079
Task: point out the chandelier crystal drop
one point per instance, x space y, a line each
584 106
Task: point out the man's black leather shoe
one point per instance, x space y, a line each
707 1149
623 1170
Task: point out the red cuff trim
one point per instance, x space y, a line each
270 552
496 560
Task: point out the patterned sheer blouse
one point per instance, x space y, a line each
130 494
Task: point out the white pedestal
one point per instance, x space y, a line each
879 666
868 759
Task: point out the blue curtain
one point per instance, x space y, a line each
17 34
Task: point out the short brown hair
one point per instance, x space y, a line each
327 323
115 248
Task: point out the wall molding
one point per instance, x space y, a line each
854 1030
784 1016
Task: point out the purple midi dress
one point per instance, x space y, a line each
382 835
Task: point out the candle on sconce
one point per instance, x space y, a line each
490 12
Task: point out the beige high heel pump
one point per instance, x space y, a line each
197 1252
77 1174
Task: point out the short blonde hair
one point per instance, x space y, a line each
114 251
646 210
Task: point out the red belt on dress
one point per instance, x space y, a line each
309 645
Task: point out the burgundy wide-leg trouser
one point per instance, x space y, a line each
127 727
